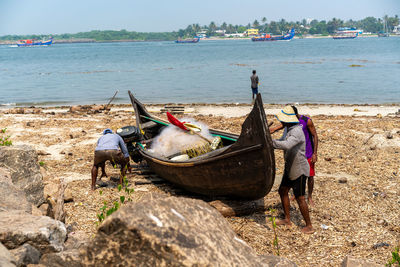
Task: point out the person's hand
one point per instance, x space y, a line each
314 158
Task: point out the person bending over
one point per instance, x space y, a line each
110 147
296 169
311 148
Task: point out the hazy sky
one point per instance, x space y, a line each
71 16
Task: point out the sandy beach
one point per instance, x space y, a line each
357 192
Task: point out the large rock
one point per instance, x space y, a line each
6 258
169 232
26 254
70 258
12 198
41 232
22 162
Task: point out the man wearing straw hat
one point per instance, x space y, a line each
297 168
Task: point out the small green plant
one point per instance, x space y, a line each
395 258
273 221
107 209
42 164
5 140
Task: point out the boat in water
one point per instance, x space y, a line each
243 168
186 41
385 32
345 35
34 42
269 37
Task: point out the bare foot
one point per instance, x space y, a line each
308 230
310 202
103 175
130 169
285 222
93 187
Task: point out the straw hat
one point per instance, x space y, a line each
287 115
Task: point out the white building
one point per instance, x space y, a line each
396 29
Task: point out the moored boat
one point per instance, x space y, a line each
268 37
33 42
243 168
345 35
185 41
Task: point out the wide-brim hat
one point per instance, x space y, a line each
287 115
106 131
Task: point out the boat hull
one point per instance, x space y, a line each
196 40
285 37
244 169
41 43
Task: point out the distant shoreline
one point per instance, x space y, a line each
74 41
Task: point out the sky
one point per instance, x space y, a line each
72 16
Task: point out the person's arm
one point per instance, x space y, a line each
257 81
287 144
276 128
123 147
311 128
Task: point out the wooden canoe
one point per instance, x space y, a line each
244 168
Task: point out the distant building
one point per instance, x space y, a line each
345 30
396 29
234 34
251 32
202 34
220 32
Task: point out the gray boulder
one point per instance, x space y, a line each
22 162
70 258
12 198
41 232
169 232
26 254
6 258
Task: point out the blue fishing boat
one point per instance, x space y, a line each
187 41
33 42
269 37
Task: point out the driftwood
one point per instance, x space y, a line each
229 208
59 213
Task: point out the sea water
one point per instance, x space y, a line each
361 70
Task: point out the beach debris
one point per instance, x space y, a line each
389 135
356 65
173 109
89 109
379 115
342 180
324 226
327 159
380 245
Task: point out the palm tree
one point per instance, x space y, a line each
224 26
256 24
264 19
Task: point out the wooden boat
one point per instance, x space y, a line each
341 35
186 41
33 42
243 168
268 37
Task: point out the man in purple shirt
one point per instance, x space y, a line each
110 147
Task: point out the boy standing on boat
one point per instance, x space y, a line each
293 143
254 83
311 148
110 147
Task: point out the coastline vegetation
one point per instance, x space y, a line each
304 27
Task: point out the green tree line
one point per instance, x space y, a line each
303 27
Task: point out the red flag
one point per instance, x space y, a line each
176 122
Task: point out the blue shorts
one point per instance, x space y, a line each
255 90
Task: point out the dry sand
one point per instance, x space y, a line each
359 145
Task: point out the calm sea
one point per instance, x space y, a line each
363 70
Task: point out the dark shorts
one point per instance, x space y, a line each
115 156
255 90
298 185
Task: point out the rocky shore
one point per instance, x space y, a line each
357 195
